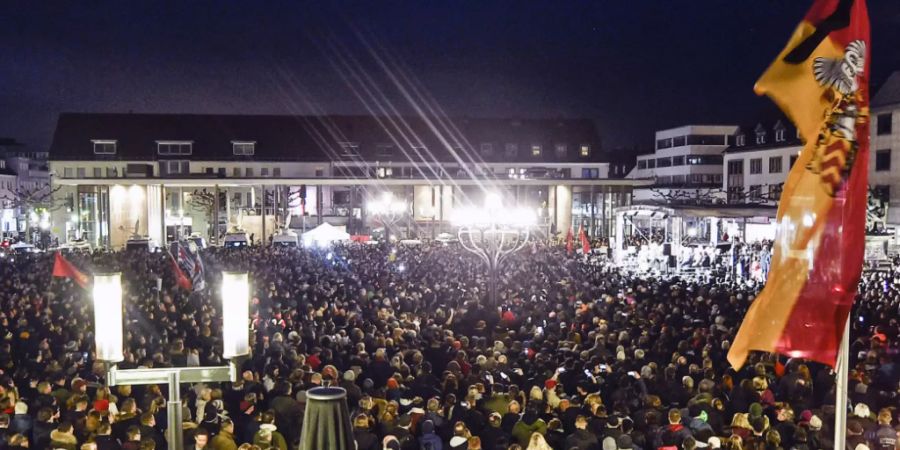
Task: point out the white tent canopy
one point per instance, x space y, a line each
324 234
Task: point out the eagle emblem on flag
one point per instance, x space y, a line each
836 145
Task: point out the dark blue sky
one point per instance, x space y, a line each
635 65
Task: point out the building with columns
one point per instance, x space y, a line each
168 175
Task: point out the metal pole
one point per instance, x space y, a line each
840 395
174 432
215 233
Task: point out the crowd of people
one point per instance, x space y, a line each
574 356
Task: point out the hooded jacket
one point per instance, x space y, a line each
62 440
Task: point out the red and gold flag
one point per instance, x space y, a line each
65 269
820 80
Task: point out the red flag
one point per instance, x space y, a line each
570 242
821 81
181 279
585 243
63 268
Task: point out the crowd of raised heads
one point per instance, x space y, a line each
574 356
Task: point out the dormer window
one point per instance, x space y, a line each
511 150
585 150
104 147
243 148
169 148
560 150
761 137
740 140
779 135
384 151
535 150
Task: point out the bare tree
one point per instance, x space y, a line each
204 202
711 196
27 200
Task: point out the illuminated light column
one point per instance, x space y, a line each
235 314
108 313
493 232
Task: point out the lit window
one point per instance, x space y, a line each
585 150
174 147
104 147
243 148
535 150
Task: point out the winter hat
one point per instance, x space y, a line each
21 408
756 410
714 442
609 443
350 376
806 416
392 383
815 423
861 410
550 384
861 447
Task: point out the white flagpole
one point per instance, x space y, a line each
841 394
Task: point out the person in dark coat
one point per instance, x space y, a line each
21 422
365 439
104 438
430 440
40 435
288 413
582 439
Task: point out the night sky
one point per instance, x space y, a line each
635 66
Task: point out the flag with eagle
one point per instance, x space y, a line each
188 267
820 80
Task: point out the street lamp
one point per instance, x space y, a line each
493 232
387 210
107 295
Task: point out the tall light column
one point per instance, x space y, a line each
493 232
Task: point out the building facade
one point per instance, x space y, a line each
25 193
686 162
757 162
168 175
884 173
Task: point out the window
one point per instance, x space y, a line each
349 148
678 160
511 150
174 147
98 172
663 143
487 149
80 172
104 147
736 167
384 172
248 172
755 192
679 141
794 159
755 166
590 173
243 148
884 125
276 172
250 199
384 151
585 150
882 160
236 199
779 135
663 162
642 164
236 172
775 164
704 160
882 192
775 191
740 140
651 163
112 172
560 150
706 139
177 167
535 150
264 172
760 137
320 172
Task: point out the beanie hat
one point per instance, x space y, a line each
714 442
624 442
815 423
21 408
756 410
350 376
